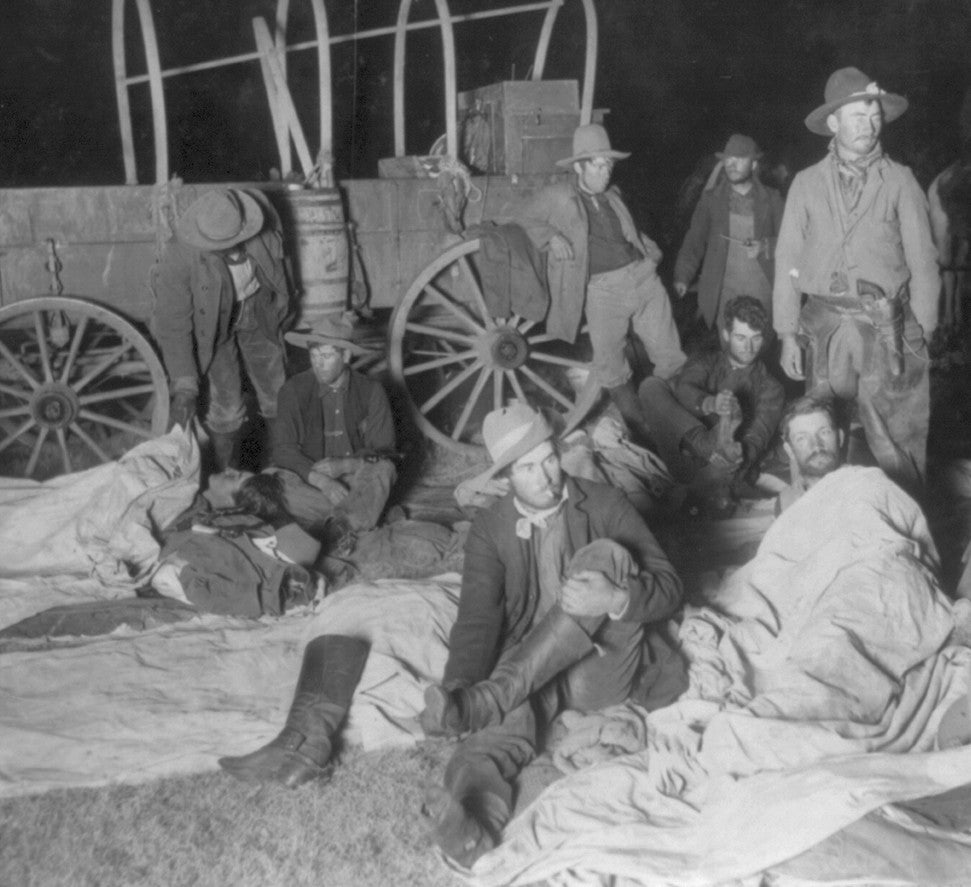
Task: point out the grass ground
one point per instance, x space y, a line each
362 828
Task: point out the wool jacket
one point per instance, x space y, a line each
885 240
500 578
559 209
195 298
706 242
761 396
298 430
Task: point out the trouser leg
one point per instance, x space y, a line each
331 669
264 362
476 801
370 485
608 319
226 408
669 420
653 322
308 506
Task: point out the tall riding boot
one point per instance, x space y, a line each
556 643
225 449
632 410
332 666
471 811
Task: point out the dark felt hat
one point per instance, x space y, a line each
852 85
220 219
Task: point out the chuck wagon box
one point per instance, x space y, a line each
80 378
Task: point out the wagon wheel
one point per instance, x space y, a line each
456 362
79 385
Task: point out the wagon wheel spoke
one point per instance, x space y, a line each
45 357
18 366
88 441
20 432
458 311
116 394
19 393
546 357
65 452
497 380
101 419
466 413
540 339
540 382
112 358
439 362
516 386
75 345
526 327
35 452
15 411
476 292
440 332
449 387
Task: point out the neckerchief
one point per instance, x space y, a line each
853 173
531 518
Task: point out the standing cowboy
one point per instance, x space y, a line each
600 262
733 230
222 298
855 246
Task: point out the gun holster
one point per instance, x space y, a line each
886 313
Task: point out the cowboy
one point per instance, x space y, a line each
732 234
334 438
561 578
731 384
856 275
598 262
222 299
813 442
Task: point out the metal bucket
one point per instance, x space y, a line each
322 252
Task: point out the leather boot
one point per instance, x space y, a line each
470 814
632 411
225 449
555 644
332 666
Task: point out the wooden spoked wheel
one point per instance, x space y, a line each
455 361
79 385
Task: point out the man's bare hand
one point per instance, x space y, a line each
591 593
560 248
334 490
726 404
791 358
680 288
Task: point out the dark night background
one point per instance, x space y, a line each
677 75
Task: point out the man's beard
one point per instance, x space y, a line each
819 464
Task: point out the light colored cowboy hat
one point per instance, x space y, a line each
740 146
591 141
220 219
852 85
510 433
334 331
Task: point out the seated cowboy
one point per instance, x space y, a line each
561 580
724 405
333 438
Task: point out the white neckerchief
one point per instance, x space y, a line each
532 518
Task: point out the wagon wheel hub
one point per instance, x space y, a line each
509 349
55 406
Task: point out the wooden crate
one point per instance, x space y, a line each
528 124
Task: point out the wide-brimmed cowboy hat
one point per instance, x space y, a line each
852 85
510 433
334 331
740 146
220 219
591 141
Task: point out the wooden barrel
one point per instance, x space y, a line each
321 262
